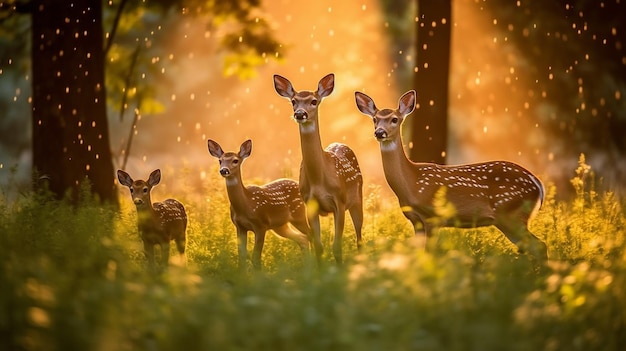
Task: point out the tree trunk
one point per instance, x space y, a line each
69 120
429 125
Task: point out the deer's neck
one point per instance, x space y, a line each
237 193
312 152
400 172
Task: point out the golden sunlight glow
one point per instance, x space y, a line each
348 38
483 114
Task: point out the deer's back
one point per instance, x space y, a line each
283 193
478 191
346 164
173 218
498 184
502 182
274 203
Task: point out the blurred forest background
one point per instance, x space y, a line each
535 83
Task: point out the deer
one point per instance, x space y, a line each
158 223
275 206
498 193
330 179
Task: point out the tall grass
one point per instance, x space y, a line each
75 279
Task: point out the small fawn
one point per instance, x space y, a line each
498 193
274 205
330 179
159 222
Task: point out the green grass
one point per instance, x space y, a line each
75 279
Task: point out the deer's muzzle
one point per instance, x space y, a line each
380 133
224 171
300 115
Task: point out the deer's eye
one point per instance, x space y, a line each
374 119
394 120
235 161
293 102
131 190
145 190
314 102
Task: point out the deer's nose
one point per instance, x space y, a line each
138 201
300 115
380 133
224 171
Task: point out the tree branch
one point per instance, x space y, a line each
116 23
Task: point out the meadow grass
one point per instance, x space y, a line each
75 279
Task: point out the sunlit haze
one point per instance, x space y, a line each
346 38
497 99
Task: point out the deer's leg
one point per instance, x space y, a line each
177 231
314 222
536 247
148 250
356 213
165 255
288 232
517 232
180 246
303 227
422 232
242 247
180 237
340 219
259 240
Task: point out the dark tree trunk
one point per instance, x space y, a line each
69 121
429 125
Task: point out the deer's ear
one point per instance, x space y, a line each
365 104
283 86
326 85
124 178
246 149
215 149
155 177
406 104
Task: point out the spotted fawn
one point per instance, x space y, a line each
275 206
159 222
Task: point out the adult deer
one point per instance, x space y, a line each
159 222
498 193
330 179
274 205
